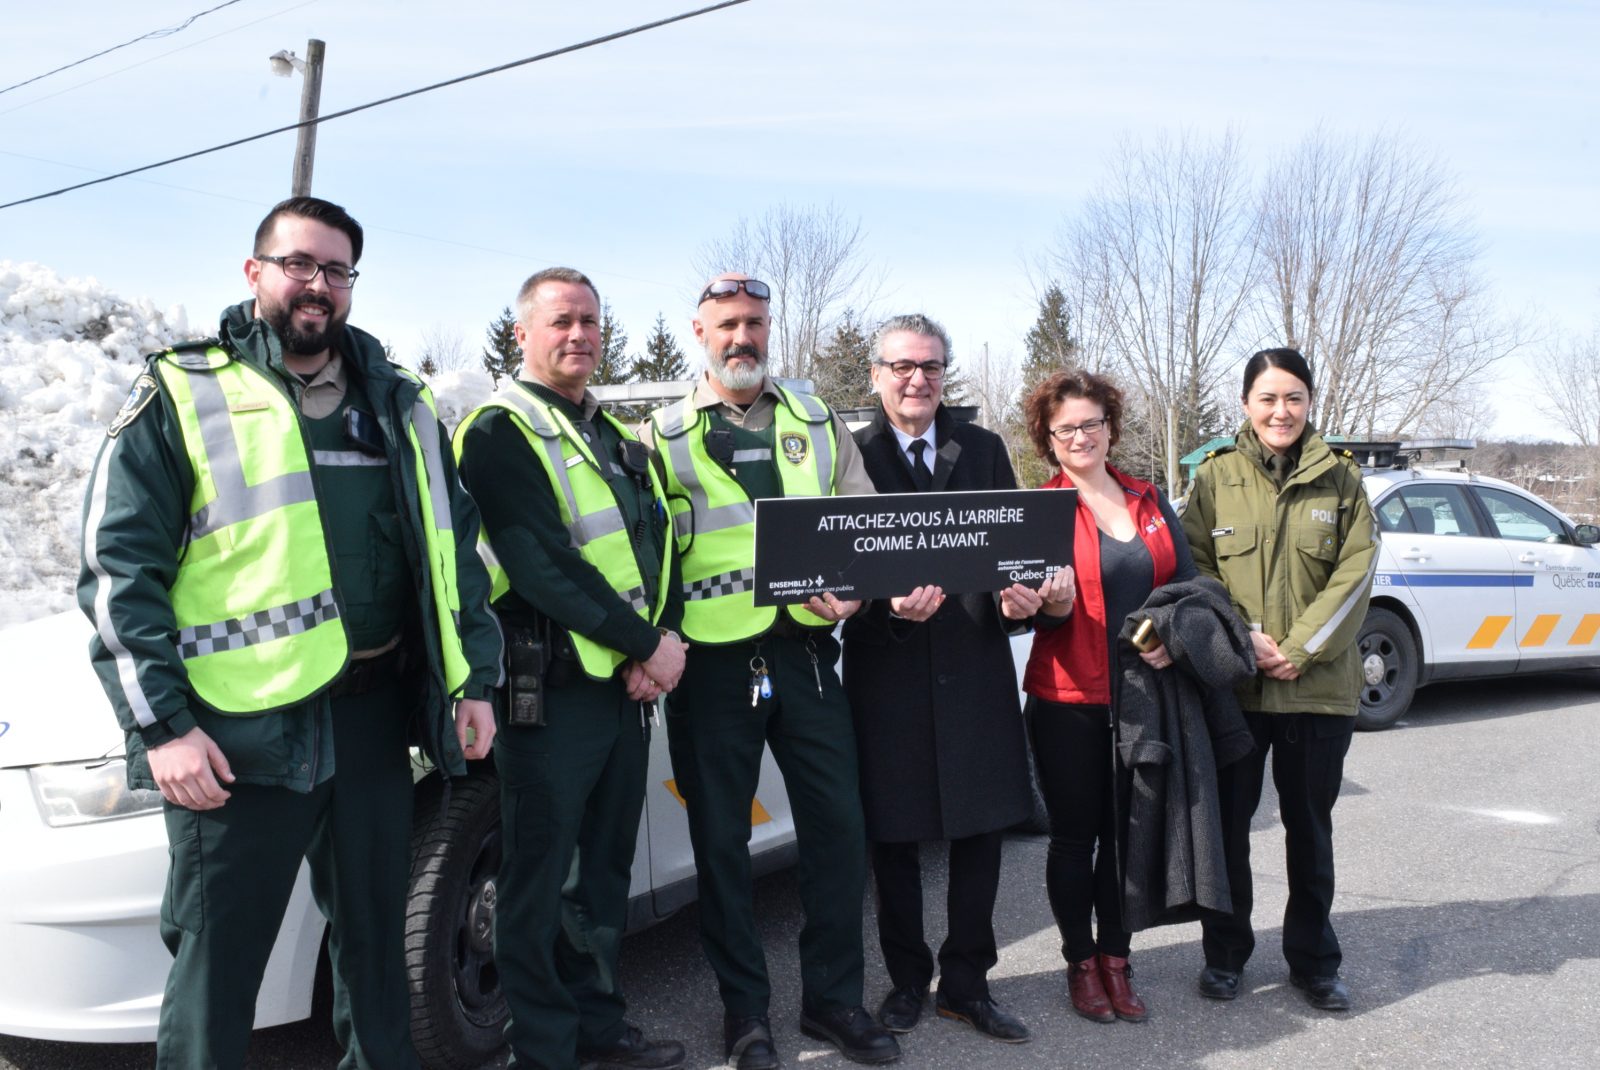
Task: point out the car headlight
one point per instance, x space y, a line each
79 793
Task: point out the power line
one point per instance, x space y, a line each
604 39
151 36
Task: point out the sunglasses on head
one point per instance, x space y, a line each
728 287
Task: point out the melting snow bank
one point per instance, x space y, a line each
69 352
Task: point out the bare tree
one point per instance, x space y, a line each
443 349
1157 272
1572 388
1370 272
816 263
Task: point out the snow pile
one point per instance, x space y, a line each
69 351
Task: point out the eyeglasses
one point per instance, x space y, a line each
304 269
932 370
1066 432
728 287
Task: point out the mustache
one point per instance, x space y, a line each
315 300
744 350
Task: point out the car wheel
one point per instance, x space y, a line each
1389 668
458 1011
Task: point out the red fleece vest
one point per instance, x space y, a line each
1072 663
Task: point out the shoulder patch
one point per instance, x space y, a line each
144 389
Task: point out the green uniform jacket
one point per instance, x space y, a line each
145 480
1298 564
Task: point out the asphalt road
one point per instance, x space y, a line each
1468 843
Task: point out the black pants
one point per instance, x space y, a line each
968 951
1072 749
1308 752
716 738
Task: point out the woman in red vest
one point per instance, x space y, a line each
1126 543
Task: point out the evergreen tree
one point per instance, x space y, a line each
503 357
613 365
841 371
1051 348
663 361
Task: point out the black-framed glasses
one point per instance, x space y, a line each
1066 432
728 287
932 370
304 269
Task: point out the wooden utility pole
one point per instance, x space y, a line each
305 150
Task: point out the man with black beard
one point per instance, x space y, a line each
278 558
758 677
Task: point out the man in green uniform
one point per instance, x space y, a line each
278 561
575 539
762 676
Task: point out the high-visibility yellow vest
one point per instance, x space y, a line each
589 508
714 519
259 624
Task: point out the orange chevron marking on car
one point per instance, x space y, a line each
758 813
1587 627
1539 633
1488 633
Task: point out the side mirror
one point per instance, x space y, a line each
1586 534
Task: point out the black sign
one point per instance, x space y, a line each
882 545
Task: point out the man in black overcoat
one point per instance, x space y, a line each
934 693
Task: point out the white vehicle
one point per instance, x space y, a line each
1476 577
86 863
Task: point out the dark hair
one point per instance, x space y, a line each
314 208
1288 360
1048 395
551 274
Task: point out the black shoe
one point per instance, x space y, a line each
902 1008
747 1043
633 1052
853 1032
986 1016
1217 983
1323 993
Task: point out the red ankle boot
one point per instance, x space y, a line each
1088 992
1117 977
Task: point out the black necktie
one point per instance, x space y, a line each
921 477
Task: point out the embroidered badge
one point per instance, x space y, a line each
144 388
795 447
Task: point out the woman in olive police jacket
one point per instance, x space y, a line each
1282 521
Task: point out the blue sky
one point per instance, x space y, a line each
961 134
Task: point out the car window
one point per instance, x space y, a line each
1436 509
1519 519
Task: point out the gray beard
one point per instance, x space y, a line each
738 378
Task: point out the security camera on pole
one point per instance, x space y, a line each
305 151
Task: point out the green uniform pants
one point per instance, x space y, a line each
716 738
233 868
571 792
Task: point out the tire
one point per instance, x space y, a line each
458 1011
1389 669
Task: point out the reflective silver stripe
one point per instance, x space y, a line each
741 456
1315 644
127 668
700 518
486 554
821 444
585 527
426 430
235 501
348 459
716 586
279 622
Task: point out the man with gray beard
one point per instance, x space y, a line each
762 676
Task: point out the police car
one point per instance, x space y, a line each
1475 577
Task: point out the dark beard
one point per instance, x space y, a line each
297 342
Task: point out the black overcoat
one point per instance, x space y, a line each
938 722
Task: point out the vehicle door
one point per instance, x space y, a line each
1459 575
1557 604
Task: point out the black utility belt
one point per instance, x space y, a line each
365 674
